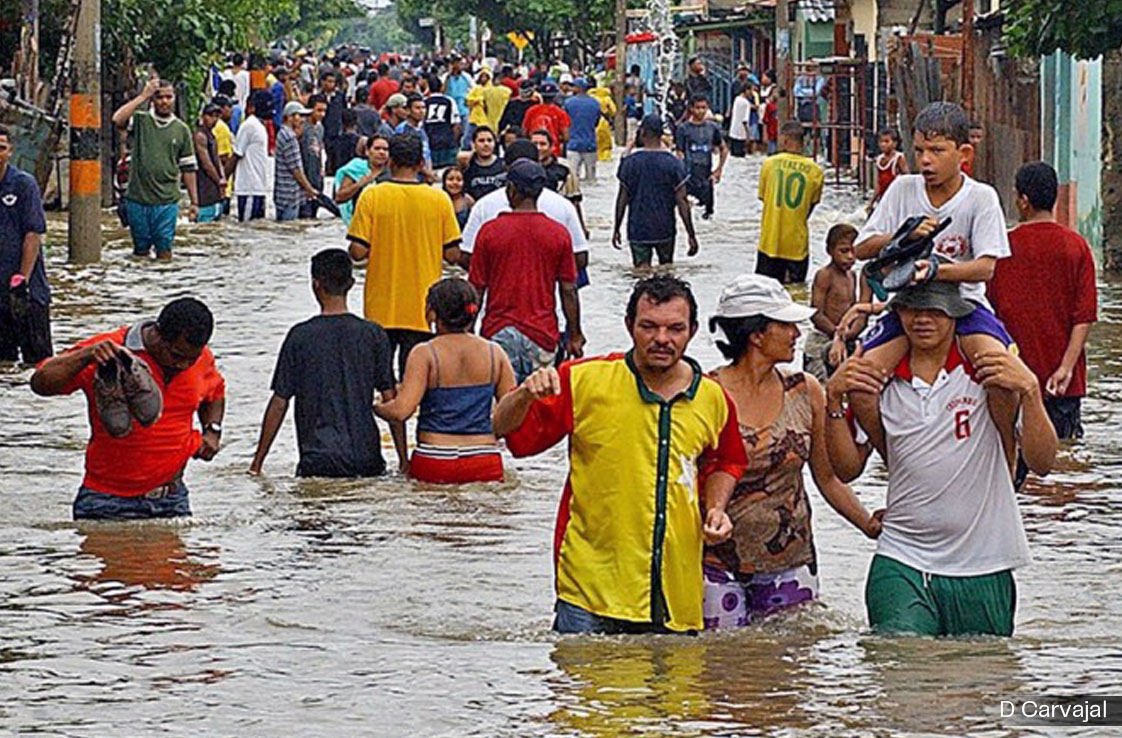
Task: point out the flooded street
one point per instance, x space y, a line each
382 608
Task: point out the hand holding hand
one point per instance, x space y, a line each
875 524
856 374
999 368
543 383
717 527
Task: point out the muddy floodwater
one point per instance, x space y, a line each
383 608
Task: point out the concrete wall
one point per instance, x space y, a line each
1071 122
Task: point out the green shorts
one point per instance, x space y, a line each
900 599
643 253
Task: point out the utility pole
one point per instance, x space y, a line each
621 71
85 137
783 56
968 56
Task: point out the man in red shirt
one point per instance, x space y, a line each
1045 294
381 88
140 475
518 260
545 115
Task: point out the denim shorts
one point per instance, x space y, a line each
573 620
210 213
982 320
526 357
170 501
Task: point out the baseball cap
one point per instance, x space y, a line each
750 295
549 89
211 109
396 100
295 108
581 83
566 78
943 296
526 175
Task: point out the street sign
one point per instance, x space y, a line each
426 22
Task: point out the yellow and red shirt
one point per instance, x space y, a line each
628 540
147 457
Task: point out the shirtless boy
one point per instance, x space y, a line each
833 292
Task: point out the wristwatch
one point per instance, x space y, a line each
215 428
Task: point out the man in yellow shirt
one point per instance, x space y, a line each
486 102
224 138
403 228
790 187
628 541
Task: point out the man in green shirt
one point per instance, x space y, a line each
161 147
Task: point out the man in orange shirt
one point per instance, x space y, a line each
140 475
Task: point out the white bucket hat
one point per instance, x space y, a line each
754 294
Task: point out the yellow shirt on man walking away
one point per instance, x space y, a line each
628 540
407 227
224 138
790 185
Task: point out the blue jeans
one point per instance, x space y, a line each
288 213
170 502
152 225
257 210
573 619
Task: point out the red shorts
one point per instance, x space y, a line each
456 465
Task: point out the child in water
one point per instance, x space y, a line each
890 163
833 292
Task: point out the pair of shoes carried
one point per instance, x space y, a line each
125 389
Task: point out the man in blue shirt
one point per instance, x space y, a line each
25 296
456 86
414 123
584 111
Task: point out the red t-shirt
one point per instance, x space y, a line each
1041 292
771 121
380 92
513 84
147 457
551 118
519 258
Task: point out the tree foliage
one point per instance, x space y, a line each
1085 29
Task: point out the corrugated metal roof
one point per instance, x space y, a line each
817 11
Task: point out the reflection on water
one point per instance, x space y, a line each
350 608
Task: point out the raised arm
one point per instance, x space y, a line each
58 372
123 114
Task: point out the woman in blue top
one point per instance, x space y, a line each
454 378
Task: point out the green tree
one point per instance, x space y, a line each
1039 27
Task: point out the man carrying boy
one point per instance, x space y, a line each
966 252
694 141
834 291
790 187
